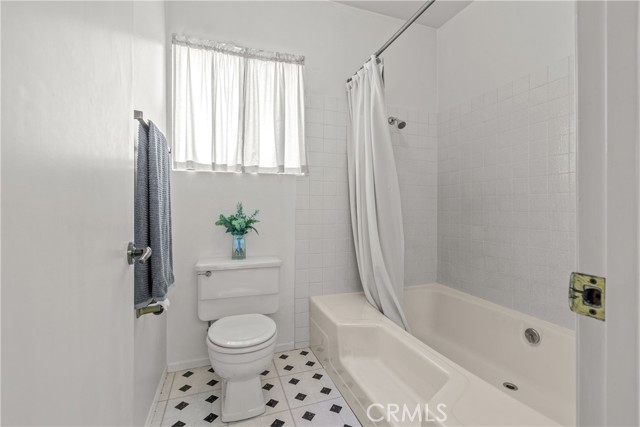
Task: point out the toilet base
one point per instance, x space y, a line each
242 399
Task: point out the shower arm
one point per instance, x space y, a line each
402 29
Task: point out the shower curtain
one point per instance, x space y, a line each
374 194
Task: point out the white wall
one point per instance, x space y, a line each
150 332
67 212
608 108
198 199
506 155
491 43
335 39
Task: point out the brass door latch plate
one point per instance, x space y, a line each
586 295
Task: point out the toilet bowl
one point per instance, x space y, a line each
241 348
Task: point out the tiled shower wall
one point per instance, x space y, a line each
415 149
325 257
506 193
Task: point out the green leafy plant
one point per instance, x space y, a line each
239 224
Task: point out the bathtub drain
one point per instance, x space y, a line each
510 386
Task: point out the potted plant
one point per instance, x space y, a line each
238 225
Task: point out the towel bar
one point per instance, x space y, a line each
155 309
139 116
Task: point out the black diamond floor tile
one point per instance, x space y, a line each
212 383
301 396
267 386
283 356
185 387
346 425
181 405
304 353
179 424
317 376
263 373
210 418
308 415
211 370
336 408
211 398
325 390
310 363
272 403
288 368
294 381
187 374
277 423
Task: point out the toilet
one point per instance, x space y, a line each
235 295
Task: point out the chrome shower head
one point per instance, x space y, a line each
394 121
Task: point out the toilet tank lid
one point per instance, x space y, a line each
208 264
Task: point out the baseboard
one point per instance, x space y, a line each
154 402
285 346
188 364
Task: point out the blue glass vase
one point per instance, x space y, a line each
239 247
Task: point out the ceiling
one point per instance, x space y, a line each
437 14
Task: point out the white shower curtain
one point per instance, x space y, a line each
374 194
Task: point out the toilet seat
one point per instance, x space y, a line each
241 332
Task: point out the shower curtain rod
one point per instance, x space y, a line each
397 34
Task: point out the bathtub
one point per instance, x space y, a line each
451 368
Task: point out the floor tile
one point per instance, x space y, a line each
333 413
294 380
158 414
277 419
305 388
274 398
294 361
270 372
193 381
202 409
166 387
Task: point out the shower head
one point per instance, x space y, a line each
394 121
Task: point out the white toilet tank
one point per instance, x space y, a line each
228 287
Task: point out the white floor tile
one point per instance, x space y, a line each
277 419
158 413
309 387
166 387
270 372
193 381
194 396
334 413
202 409
294 361
274 397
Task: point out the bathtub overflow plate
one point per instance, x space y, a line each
510 386
532 336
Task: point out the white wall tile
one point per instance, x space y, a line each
325 258
506 194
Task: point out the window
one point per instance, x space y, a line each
237 109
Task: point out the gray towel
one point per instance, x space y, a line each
153 217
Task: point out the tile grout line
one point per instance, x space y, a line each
164 411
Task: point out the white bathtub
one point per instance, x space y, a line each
462 351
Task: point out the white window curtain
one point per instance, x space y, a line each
237 109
